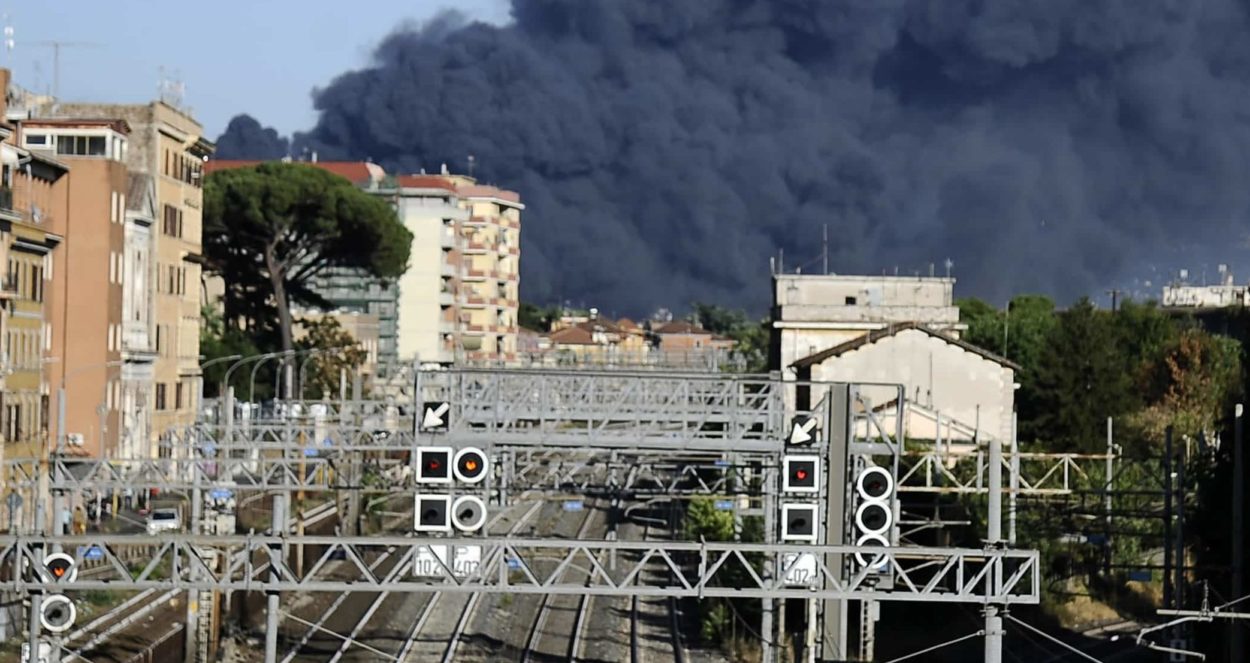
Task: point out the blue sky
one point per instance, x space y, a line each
258 56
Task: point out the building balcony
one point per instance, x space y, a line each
477 274
479 221
473 301
446 298
450 269
475 330
448 238
476 247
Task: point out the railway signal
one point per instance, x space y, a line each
434 417
432 513
801 474
468 513
798 522
434 464
874 513
803 430
61 567
57 613
470 465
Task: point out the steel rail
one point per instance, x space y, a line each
544 606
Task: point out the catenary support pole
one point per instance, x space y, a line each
1237 638
993 613
1167 518
767 654
1013 481
1106 500
278 525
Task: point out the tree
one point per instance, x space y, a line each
271 229
1190 385
339 352
750 336
536 318
985 324
218 340
1080 381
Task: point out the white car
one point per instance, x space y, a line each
164 520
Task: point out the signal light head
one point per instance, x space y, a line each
432 513
798 522
433 464
468 513
874 483
61 567
874 517
874 562
470 465
801 474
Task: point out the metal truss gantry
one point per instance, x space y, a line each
535 566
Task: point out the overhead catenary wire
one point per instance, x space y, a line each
936 647
1053 639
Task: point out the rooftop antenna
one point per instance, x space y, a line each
56 59
9 43
824 246
170 88
949 263
472 163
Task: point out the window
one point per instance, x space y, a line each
159 345
850 301
160 395
171 223
95 146
178 396
36 139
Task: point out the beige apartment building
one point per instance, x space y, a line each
85 289
167 145
33 190
458 300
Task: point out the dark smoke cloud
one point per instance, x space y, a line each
667 149
245 138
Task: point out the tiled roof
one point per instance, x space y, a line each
120 126
627 324
424 182
892 330
571 336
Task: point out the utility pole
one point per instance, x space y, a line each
56 59
1115 299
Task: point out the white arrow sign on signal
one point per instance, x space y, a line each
802 432
433 417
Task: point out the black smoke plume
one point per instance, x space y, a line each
245 138
666 149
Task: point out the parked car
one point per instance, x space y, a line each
164 520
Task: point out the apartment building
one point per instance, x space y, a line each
86 287
33 190
488 296
139 352
167 145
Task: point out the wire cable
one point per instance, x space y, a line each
1055 640
937 647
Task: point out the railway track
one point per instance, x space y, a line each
379 626
556 632
654 625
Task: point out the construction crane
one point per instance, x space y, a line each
56 46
